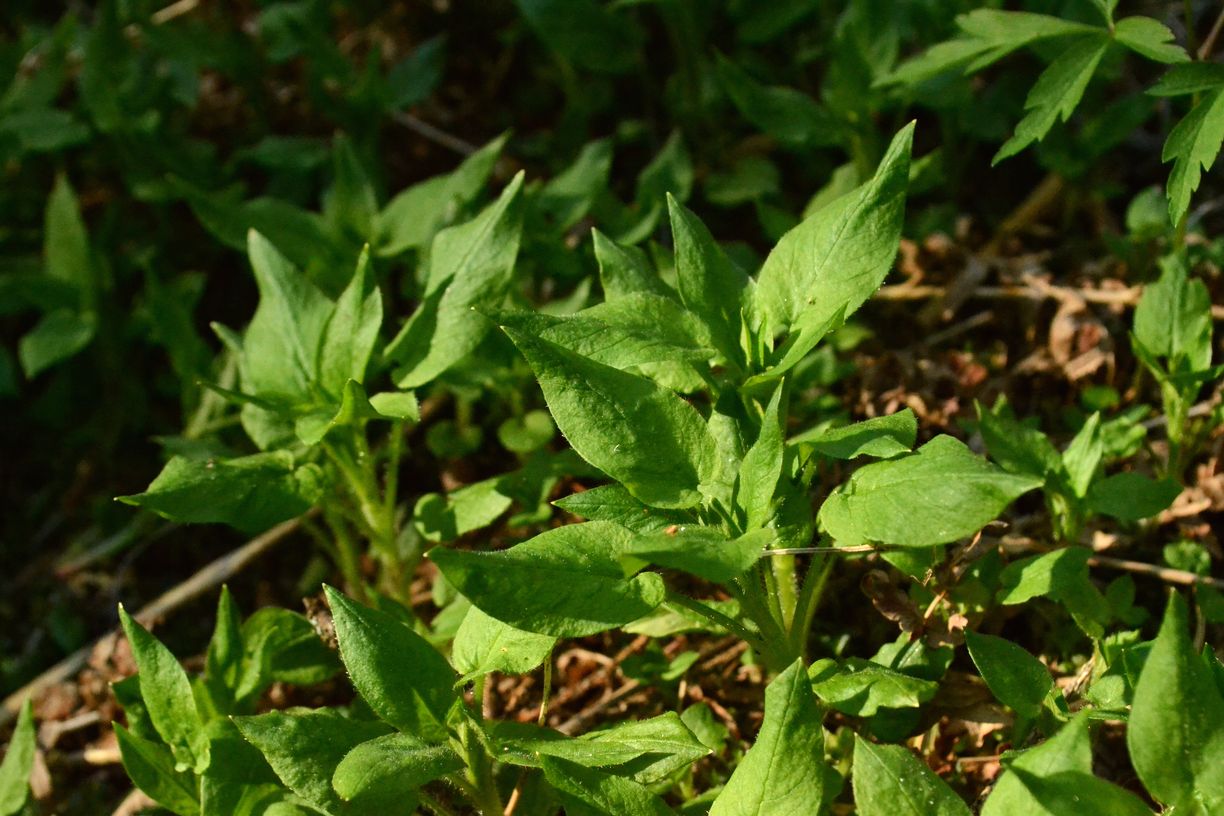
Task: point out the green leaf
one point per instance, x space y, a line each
790 116
665 735
151 767
614 503
882 437
223 660
282 341
1149 38
283 646
642 435
1068 751
238 782
1176 729
568 196
527 433
591 792
1173 318
1189 78
383 775
625 270
61 334
835 259
399 674
350 203
938 494
397 405
412 218
761 466
484 644
1080 793
167 695
1132 496
1083 456
784 773
861 688
471 507
18 763
631 331
1056 93
411 80
710 284
65 242
891 781
354 411
988 36
1192 146
304 747
250 493
1061 575
1016 447
699 551
566 582
585 33
351 330
470 266
1016 678
669 172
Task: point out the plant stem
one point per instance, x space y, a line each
809 600
713 616
483 792
773 643
435 804
784 578
548 677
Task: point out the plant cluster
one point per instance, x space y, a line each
707 482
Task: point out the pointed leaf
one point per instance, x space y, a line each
566 582
383 775
835 259
784 773
398 673
484 644
470 266
250 492
151 767
1176 729
1070 750
18 763
352 330
167 696
879 437
938 494
642 435
890 781
1016 678
1192 146
304 748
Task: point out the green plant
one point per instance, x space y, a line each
1074 483
1172 338
18 764
712 491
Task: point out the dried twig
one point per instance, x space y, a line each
1167 574
434 133
1128 297
211 576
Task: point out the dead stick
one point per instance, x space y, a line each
206 579
1172 576
1110 297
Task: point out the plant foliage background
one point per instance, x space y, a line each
638 407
